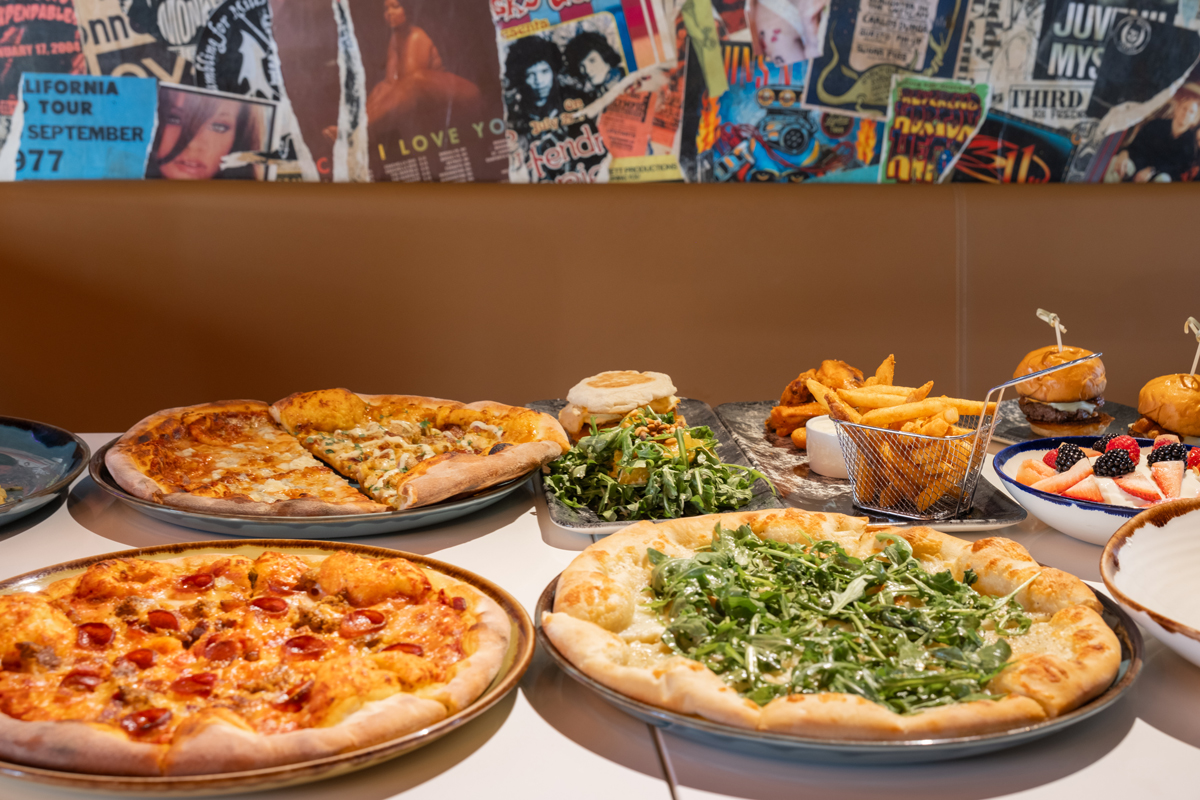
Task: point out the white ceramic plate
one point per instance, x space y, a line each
1152 565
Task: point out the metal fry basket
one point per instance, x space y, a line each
921 477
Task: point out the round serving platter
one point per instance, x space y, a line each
344 526
516 661
42 459
851 751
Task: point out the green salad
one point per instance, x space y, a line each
649 467
774 619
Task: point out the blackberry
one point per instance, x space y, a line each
1114 464
1068 456
1168 452
1103 441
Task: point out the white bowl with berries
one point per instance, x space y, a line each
1088 487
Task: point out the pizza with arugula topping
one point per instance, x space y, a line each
817 625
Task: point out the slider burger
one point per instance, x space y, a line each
1067 402
606 398
1169 405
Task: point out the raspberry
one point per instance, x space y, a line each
1103 441
1050 458
1114 463
1068 456
1129 444
1169 452
1193 457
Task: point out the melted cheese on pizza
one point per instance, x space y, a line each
284 642
382 455
236 454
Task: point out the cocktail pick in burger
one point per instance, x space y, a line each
1170 404
1066 402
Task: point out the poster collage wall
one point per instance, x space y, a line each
601 91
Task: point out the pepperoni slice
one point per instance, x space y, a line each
458 603
142 659
305 647
196 583
221 650
94 635
199 685
297 696
360 623
140 723
270 605
162 620
82 680
406 647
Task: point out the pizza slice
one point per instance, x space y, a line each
229 457
407 451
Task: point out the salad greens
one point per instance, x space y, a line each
774 619
650 468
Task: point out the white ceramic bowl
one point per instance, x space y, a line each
824 450
1151 567
1081 519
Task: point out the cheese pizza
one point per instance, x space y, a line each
246 457
216 663
813 625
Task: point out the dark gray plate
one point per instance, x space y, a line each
1012 427
778 459
851 751
344 526
41 460
695 412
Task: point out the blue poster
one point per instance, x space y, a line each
761 134
82 127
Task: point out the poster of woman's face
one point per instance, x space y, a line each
200 134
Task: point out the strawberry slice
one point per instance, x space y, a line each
1169 477
1058 484
1032 471
1086 489
1166 438
1139 486
1193 457
1090 453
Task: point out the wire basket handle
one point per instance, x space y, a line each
987 423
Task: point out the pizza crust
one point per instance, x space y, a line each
600 626
244 506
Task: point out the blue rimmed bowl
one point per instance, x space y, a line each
38 462
1090 522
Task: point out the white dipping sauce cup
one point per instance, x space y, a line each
824 452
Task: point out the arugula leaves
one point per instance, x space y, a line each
774 619
630 472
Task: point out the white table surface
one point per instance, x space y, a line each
553 738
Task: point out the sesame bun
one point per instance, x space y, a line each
609 396
1173 401
1082 382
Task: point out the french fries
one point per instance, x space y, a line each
882 417
892 470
